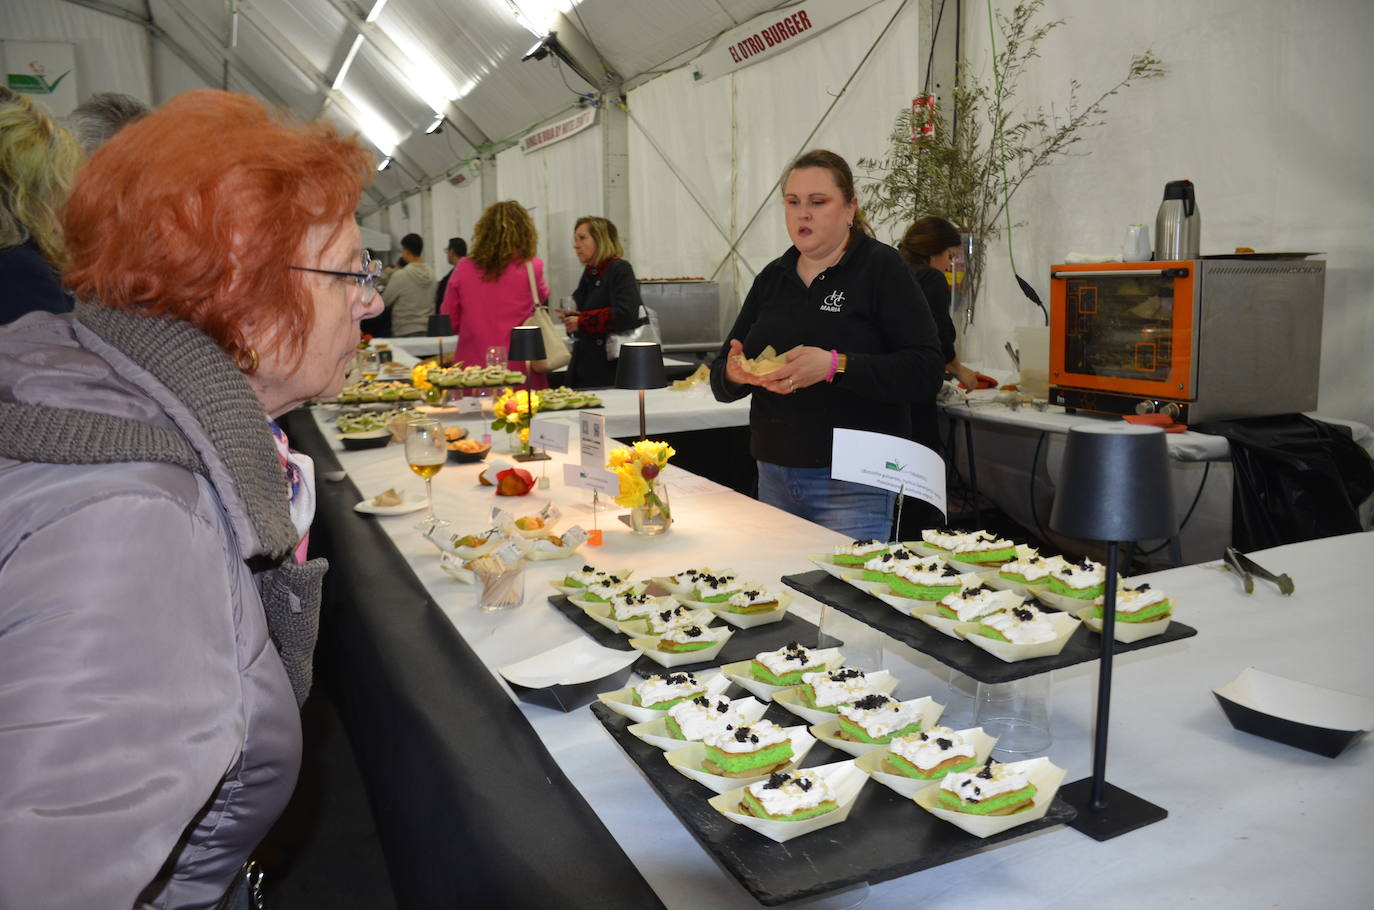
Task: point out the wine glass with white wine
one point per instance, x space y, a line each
369 364
426 453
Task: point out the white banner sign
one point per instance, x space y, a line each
771 34
550 435
554 132
890 463
592 433
45 71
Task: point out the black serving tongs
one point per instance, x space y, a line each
1245 567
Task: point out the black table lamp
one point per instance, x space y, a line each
1113 487
526 343
640 367
439 326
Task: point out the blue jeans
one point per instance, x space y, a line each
858 511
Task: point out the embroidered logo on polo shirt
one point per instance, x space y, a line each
833 302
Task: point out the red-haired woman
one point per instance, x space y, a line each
157 617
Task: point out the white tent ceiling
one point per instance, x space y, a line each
419 58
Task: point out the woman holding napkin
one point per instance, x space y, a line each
157 614
859 347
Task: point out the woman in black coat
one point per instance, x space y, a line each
607 299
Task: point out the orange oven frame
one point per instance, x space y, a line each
1179 384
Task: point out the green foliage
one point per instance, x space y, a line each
983 149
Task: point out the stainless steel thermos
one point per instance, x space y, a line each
1178 225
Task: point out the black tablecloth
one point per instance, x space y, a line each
470 807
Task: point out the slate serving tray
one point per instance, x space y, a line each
884 837
1083 646
743 645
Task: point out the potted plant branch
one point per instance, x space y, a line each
969 157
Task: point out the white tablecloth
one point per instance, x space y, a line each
1252 823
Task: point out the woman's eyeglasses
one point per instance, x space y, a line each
365 279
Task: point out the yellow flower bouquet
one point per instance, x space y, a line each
638 468
513 410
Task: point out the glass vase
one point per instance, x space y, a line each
655 516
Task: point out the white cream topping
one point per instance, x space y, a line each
981 542
890 716
969 785
663 620
629 605
930 572
971 603
945 540
608 588
688 634
746 738
838 687
889 561
590 576
1020 630
1081 575
752 594
934 746
715 585
787 659
1034 567
1133 600
696 720
860 548
656 689
800 790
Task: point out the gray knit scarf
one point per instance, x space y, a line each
202 377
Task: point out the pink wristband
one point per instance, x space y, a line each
834 365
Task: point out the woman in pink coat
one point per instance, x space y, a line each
489 293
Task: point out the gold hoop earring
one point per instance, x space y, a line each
247 362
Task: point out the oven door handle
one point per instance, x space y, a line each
1125 273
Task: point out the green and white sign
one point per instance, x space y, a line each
45 71
889 463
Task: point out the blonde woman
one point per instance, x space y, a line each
37 162
489 291
607 300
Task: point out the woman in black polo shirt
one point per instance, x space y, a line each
607 299
862 347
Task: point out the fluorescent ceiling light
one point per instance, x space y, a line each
348 62
425 77
386 162
376 10
375 128
435 126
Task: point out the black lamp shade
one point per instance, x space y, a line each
439 325
640 366
1114 484
526 343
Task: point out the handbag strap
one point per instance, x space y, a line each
534 287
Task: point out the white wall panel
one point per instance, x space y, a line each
1264 109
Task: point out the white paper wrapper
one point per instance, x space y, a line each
649 647
752 620
871 764
843 573
907 606
1064 625
925 549
599 612
1042 772
1022 551
538 549
1299 702
1125 632
930 615
672 587
621 701
995 580
1063 602
443 538
453 567
686 760
738 672
844 779
828 731
791 699
578 661
572 591
641 628
655 732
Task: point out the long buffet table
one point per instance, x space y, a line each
1251 821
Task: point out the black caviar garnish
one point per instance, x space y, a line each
804 783
986 773
753 738
943 743
980 589
693 632
722 706
1143 586
863 543
742 735
925 738
949 571
776 780
1023 614
978 791
752 594
870 702
846 673
702 700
